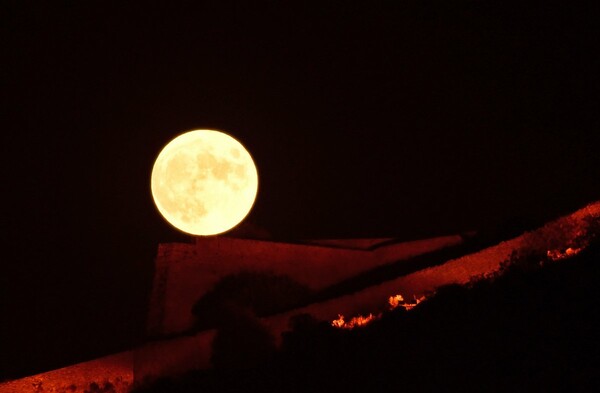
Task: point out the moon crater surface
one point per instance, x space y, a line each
204 182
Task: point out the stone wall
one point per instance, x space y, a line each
112 373
175 356
184 272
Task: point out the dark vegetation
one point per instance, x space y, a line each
248 293
94 387
530 327
264 294
403 267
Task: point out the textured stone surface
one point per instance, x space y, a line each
456 271
184 272
114 371
178 355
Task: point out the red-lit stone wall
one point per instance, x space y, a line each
112 373
184 272
174 356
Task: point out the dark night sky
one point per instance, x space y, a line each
400 118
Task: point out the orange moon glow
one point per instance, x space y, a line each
204 182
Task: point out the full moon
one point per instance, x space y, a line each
204 182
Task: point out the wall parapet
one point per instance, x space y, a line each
186 271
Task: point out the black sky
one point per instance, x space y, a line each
400 118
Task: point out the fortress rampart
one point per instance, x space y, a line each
184 272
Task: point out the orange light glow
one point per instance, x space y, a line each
398 301
393 302
556 255
354 322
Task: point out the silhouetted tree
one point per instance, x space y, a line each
262 293
531 328
241 342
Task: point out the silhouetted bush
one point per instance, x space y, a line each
106 387
563 233
241 343
261 293
532 328
566 233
